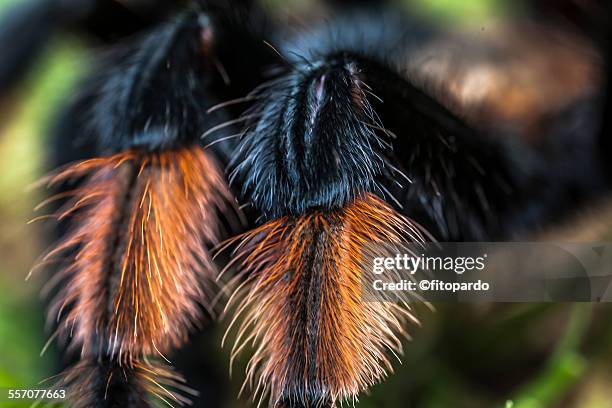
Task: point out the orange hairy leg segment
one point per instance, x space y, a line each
317 341
138 272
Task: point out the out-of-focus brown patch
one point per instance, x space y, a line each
7 107
316 339
135 264
592 224
516 75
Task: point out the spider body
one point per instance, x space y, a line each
333 143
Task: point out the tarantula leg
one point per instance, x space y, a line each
317 341
145 209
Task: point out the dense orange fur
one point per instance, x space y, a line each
138 269
354 337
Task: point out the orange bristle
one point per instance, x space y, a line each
317 340
138 269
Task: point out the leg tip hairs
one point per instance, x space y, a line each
317 340
103 383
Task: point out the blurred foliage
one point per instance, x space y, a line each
24 119
460 11
512 356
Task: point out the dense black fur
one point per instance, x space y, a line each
308 133
313 145
99 382
314 139
104 384
154 92
343 120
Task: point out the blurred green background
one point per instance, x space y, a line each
519 356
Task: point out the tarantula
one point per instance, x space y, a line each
328 141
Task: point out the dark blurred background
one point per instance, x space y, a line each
472 356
